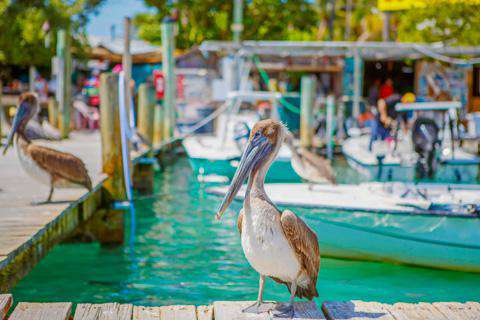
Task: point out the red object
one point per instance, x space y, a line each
159 82
385 91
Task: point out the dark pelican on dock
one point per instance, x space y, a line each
277 244
48 166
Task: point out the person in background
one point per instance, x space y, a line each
386 90
374 92
385 119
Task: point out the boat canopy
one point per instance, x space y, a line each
428 106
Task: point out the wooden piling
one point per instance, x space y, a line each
111 136
53 112
308 86
330 126
64 81
112 163
144 171
168 64
146 110
158 125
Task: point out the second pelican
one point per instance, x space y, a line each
277 244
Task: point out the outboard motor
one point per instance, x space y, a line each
241 133
425 142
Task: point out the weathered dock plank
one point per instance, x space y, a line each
414 311
105 311
42 311
355 310
457 311
224 310
178 313
146 313
28 231
205 313
6 301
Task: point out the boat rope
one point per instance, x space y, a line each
266 79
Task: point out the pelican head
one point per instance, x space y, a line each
27 109
262 147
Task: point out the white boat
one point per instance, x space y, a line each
395 160
432 225
219 154
399 165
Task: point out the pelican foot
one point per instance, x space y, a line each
283 310
257 307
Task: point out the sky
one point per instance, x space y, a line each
112 13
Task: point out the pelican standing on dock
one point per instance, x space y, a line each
277 244
48 166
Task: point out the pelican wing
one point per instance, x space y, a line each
305 244
240 221
61 165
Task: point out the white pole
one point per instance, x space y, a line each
356 83
329 133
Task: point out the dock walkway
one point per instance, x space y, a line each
232 310
28 231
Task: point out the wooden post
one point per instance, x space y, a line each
111 137
146 109
112 164
158 126
237 26
53 112
31 78
356 84
168 66
308 86
144 171
64 81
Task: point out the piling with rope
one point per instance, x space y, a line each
64 83
112 164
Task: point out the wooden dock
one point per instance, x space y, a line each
28 230
232 310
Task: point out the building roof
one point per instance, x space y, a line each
367 50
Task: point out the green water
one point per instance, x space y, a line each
177 253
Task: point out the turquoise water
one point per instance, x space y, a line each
177 253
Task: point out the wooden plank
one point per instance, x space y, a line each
146 313
355 310
178 313
105 311
414 311
6 301
42 311
205 313
457 310
227 310
474 305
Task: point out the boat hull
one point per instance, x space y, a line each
430 241
281 171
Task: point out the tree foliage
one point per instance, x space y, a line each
450 22
23 25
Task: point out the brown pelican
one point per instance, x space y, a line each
277 244
310 166
48 166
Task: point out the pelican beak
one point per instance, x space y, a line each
20 115
258 148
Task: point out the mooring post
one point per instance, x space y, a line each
330 125
144 171
308 86
53 112
158 123
112 230
64 85
168 66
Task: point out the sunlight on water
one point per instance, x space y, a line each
179 254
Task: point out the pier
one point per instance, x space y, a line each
232 310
